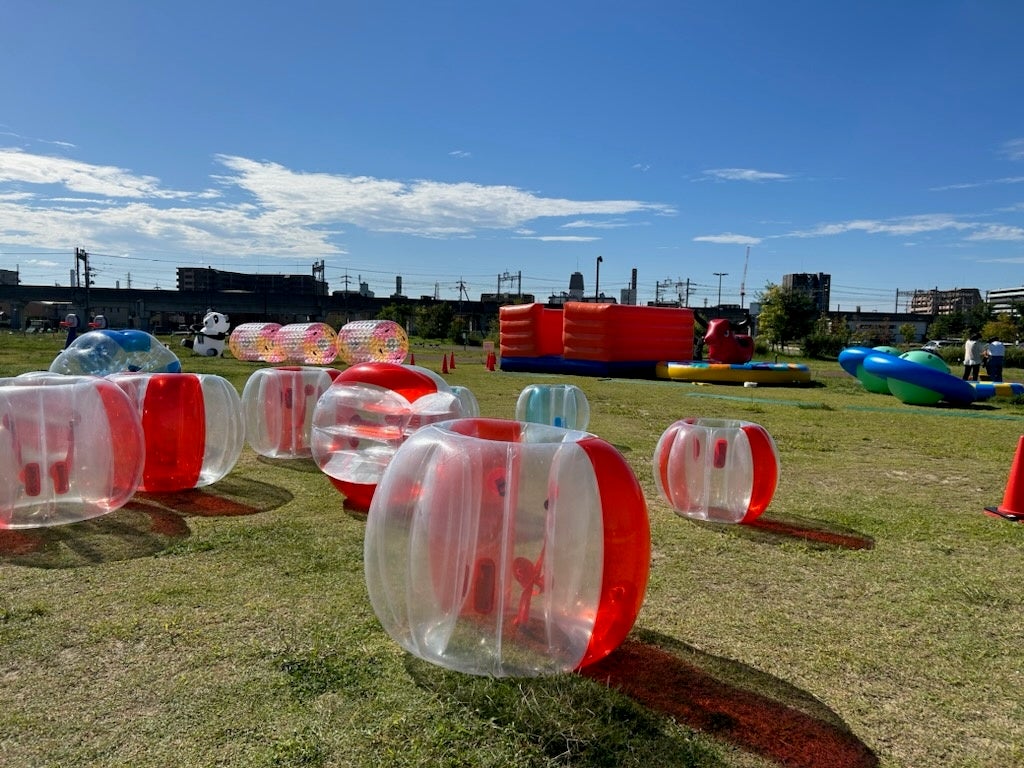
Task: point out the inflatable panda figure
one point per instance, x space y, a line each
210 339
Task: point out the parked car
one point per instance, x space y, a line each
936 345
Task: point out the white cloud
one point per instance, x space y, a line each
562 238
976 184
744 174
460 153
1014 149
998 232
902 226
728 238
262 207
25 168
643 167
590 224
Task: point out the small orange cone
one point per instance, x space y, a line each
412 359
444 363
452 363
1012 507
490 361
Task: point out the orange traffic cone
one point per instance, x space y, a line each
1012 507
451 365
412 359
490 361
444 363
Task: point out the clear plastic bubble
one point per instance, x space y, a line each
71 448
722 470
99 353
495 547
193 427
557 405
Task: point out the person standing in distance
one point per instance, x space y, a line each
995 356
972 356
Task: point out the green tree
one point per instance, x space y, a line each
434 321
909 333
399 313
1002 328
786 315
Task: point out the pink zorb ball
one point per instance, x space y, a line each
370 410
308 343
278 405
256 342
71 448
192 424
720 470
503 548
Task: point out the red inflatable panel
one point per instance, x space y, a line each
619 332
530 330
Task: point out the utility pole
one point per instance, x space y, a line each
597 280
720 275
82 257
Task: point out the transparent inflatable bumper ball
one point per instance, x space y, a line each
192 425
557 405
102 352
503 548
368 412
720 470
278 404
71 448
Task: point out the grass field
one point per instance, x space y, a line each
874 616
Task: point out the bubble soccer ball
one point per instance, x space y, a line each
557 405
370 410
496 547
192 424
720 470
99 353
278 405
71 448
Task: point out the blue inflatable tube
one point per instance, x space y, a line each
950 388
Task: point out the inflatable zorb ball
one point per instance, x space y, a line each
496 547
100 353
720 470
372 341
256 342
369 411
192 424
308 343
71 448
278 404
557 405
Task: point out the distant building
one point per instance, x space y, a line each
818 287
1007 301
576 293
936 302
207 279
9 277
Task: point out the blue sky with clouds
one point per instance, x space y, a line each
880 142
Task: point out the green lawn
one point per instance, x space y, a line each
873 618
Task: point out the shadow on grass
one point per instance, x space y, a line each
644 689
569 720
296 465
818 534
145 526
732 702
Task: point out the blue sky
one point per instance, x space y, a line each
879 142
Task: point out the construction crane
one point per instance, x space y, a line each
743 280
